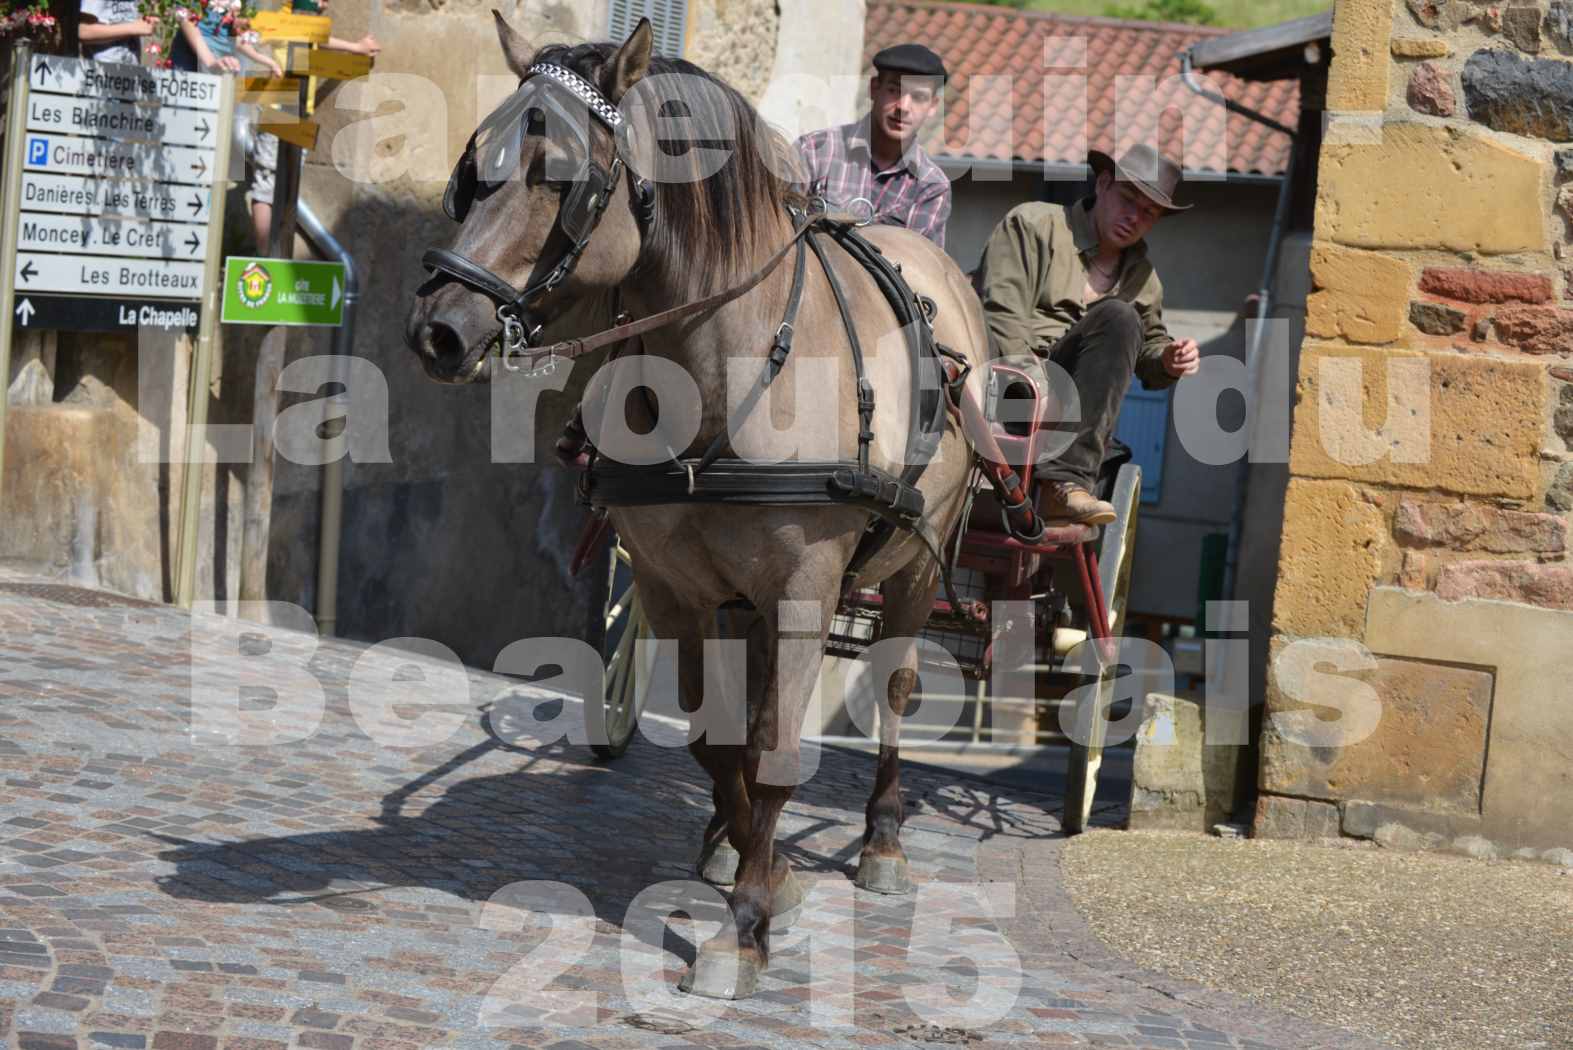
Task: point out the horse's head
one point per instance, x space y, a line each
549 211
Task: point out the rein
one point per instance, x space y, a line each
568 349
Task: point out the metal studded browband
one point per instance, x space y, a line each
583 90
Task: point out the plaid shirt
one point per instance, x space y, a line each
914 193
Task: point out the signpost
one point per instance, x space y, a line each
113 212
283 291
115 168
113 186
286 26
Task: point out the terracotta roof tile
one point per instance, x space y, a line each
1019 80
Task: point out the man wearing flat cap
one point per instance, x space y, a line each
1074 285
877 159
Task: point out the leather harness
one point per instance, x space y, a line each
713 477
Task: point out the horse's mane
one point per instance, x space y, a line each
706 227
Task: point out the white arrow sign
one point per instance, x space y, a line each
24 311
100 236
88 79
74 195
120 120
121 160
336 295
150 278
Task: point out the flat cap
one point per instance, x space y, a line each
910 58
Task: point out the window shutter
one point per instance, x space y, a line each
668 18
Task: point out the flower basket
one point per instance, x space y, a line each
29 21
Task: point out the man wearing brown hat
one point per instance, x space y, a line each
875 165
1074 285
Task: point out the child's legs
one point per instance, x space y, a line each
264 170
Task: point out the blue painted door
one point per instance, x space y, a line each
1144 426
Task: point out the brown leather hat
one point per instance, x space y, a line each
1143 167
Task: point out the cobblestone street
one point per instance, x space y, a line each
161 889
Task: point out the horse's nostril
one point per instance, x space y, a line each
443 342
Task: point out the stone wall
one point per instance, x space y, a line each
1431 475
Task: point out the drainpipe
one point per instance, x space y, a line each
326 246
1263 308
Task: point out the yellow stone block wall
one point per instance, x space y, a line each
1433 427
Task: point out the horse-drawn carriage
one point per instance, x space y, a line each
703 276
1077 579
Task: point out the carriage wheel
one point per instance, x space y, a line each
627 677
1116 552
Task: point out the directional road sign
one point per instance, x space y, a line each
111 215
70 155
78 313
114 196
330 65
85 273
99 236
84 78
283 291
281 26
74 195
123 120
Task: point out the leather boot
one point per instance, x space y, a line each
1068 501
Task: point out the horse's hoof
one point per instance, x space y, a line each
719 866
786 903
721 975
883 875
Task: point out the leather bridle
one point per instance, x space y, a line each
585 201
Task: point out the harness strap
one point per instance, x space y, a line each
569 349
756 484
511 302
473 274
926 426
774 363
865 389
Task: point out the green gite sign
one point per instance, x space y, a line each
282 291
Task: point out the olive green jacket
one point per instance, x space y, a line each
1032 277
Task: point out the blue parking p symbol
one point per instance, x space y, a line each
38 151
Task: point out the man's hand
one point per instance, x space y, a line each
273 67
1182 358
367 45
147 25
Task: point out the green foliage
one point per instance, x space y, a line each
1196 12
1236 14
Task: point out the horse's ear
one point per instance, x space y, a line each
514 48
630 64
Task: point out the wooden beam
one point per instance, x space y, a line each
280 26
1254 48
330 65
289 127
268 90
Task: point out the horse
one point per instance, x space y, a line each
610 245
